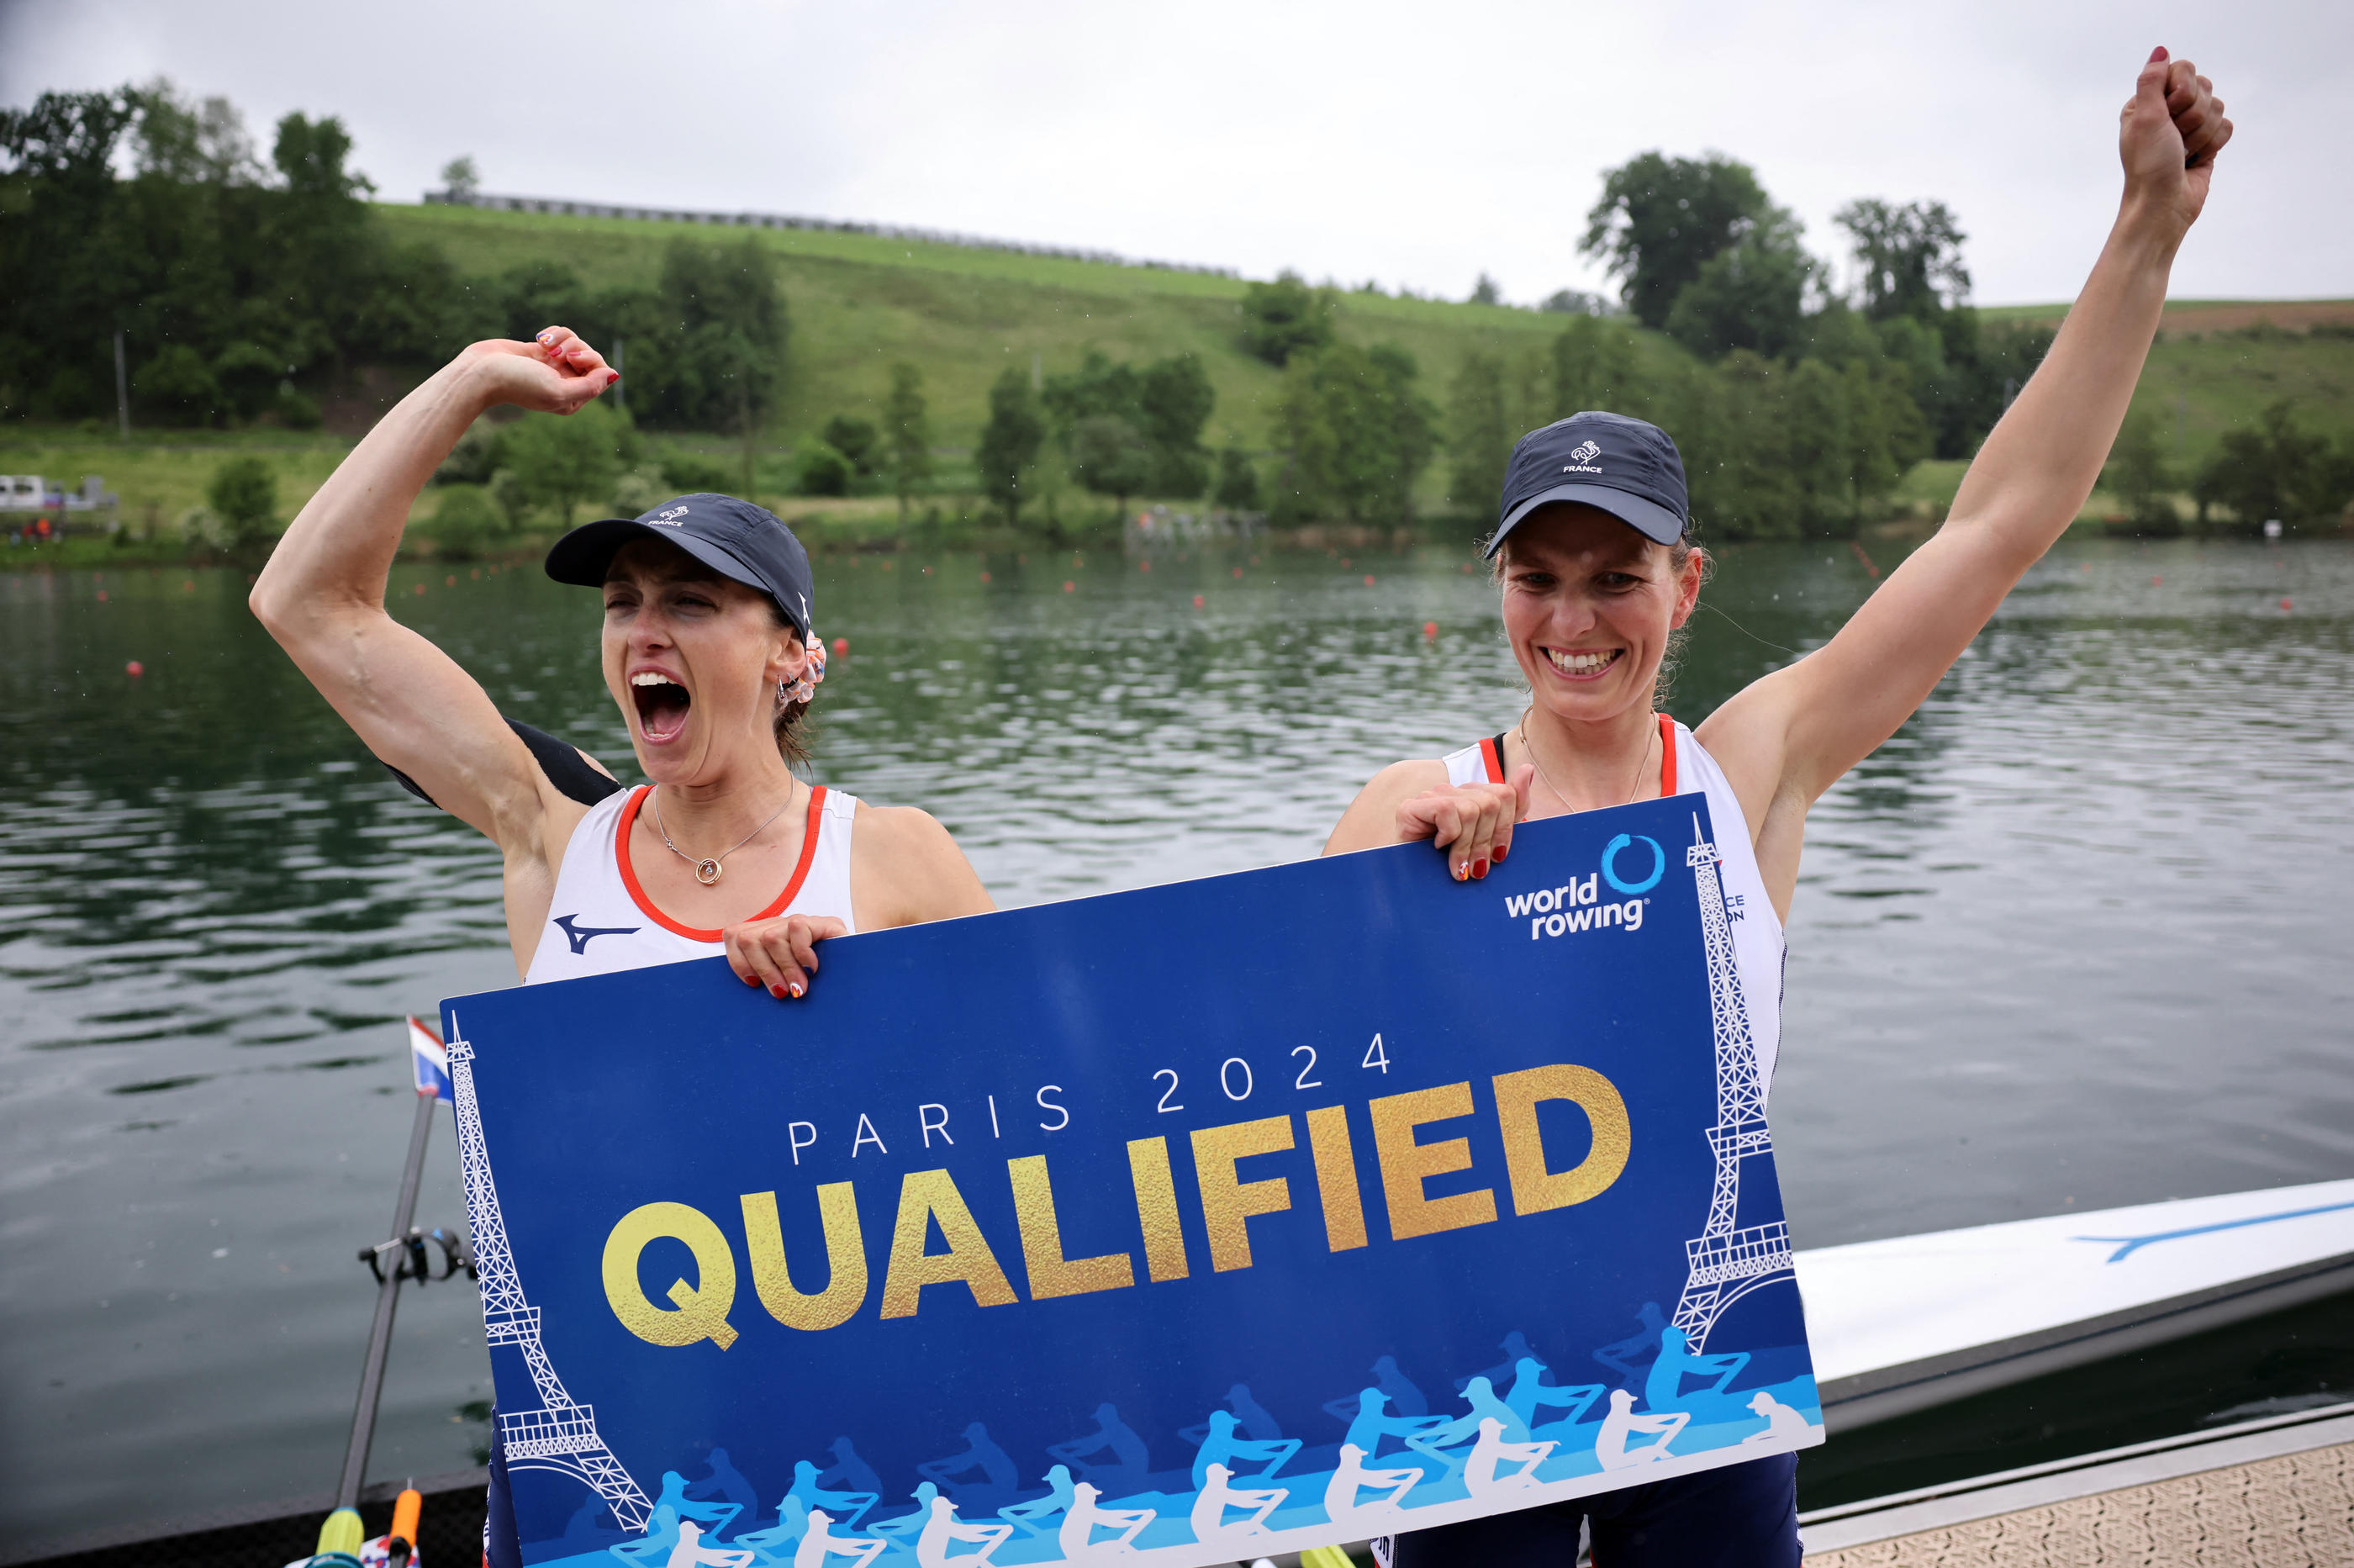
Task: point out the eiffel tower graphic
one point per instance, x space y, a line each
1726 1263
560 1435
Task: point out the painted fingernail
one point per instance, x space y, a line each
1461 872
778 992
751 980
796 991
1478 869
2158 54
1502 851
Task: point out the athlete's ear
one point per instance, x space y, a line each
1687 585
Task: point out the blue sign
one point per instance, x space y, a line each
1190 1224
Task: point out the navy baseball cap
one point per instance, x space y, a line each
747 543
1625 467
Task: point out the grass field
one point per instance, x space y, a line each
858 302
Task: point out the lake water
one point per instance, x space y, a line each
2075 937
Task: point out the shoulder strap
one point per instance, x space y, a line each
560 761
1492 752
1667 757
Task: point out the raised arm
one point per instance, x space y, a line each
322 594
1791 736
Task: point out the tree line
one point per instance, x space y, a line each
233 285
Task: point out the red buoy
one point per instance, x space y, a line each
841 646
134 669
1430 629
2285 603
1369 580
1197 602
1069 587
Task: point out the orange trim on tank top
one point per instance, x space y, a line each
1494 759
638 894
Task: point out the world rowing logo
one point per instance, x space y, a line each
580 935
1576 905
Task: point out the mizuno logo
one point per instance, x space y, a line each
580 935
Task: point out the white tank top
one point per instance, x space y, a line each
1758 946
600 920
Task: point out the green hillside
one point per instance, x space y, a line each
859 302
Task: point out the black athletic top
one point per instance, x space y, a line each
560 761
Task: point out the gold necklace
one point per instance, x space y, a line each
707 872
1521 729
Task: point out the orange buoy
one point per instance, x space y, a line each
134 669
1144 566
1238 573
2156 581
1369 580
1430 629
841 646
984 577
101 596
188 587
1070 586
420 591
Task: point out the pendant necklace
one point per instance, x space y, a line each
1538 763
707 872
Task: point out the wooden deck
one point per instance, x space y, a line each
2271 1495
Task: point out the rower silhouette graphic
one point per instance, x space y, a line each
1132 1461
1613 1446
1341 1504
1663 1386
690 1552
1256 1422
1372 1422
847 1507
671 1510
1481 1395
942 1531
1221 1445
725 1484
1516 1349
1211 1527
819 1542
1627 1358
1485 1476
914 1520
1782 1423
848 1472
998 1478
1531 1393
1083 1519
1030 1517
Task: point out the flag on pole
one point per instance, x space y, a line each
430 1061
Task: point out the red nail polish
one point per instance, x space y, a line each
1502 851
778 992
2158 54
1478 869
751 980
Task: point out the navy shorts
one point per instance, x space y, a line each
1743 1516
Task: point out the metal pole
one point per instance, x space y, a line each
122 387
387 1297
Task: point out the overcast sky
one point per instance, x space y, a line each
1411 144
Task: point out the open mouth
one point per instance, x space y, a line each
662 704
1583 664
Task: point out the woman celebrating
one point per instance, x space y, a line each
1598 575
710 652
